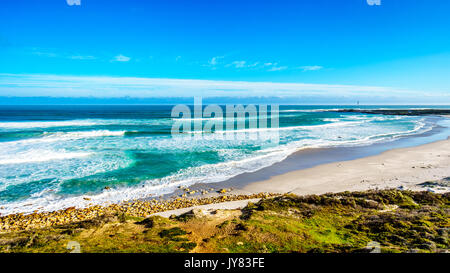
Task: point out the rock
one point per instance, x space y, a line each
372 204
198 213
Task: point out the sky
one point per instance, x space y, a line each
330 50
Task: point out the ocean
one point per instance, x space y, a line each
53 157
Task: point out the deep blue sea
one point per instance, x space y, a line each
53 157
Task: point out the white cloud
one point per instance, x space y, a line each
45 54
42 52
121 58
215 60
274 66
277 68
79 57
239 64
243 64
311 67
83 86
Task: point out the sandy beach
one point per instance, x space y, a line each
380 166
203 217
418 168
403 168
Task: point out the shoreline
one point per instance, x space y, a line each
408 166
310 158
424 167
377 166
417 168
140 209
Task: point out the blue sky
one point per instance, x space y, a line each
141 48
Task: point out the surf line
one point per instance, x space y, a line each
241 122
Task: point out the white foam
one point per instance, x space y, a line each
210 173
65 136
39 155
204 174
81 123
45 124
287 128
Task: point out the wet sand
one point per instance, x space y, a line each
405 163
404 168
327 169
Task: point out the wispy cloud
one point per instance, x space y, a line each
215 60
239 64
273 66
80 57
243 64
45 54
50 54
121 58
83 86
277 68
311 67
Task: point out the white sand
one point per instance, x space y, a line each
405 167
396 168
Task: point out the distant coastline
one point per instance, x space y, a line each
400 112
220 100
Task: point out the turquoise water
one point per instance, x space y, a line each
52 157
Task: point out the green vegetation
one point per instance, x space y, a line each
400 221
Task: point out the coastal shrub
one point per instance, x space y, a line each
223 224
185 216
96 222
401 221
188 246
147 223
172 232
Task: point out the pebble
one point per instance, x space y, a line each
20 221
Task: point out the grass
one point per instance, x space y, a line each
401 221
